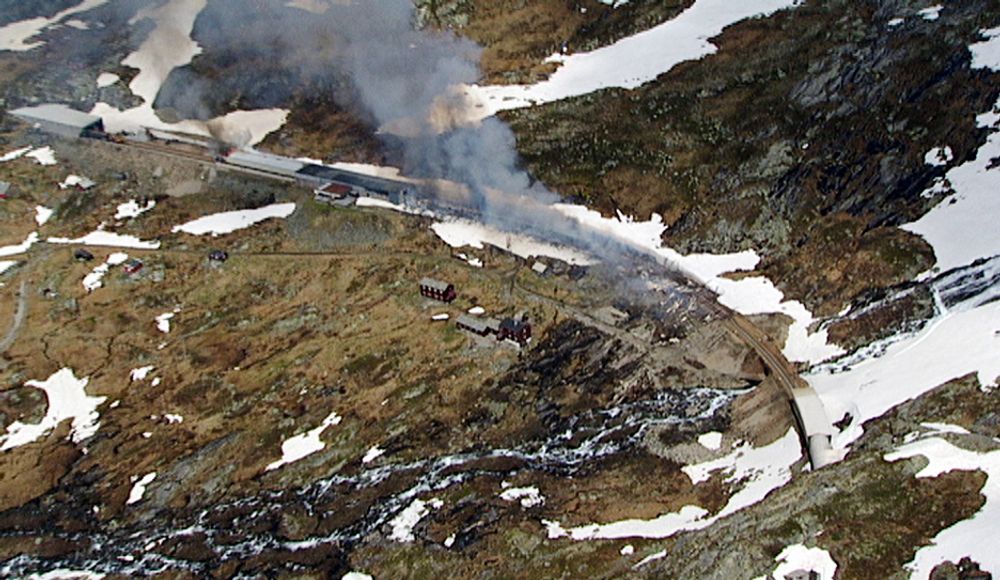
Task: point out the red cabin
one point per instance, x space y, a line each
132 266
517 330
437 290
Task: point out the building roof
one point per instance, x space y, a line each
265 161
375 184
435 284
55 113
335 189
513 325
477 324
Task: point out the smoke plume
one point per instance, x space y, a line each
406 82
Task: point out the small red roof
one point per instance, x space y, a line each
336 189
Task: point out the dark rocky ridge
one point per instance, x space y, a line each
803 138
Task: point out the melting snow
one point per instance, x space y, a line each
109 239
760 470
627 550
403 524
632 61
436 317
230 221
529 497
356 576
798 557
6 265
139 488
20 248
300 446
477 310
67 399
95 279
173 419
42 215
968 537
132 209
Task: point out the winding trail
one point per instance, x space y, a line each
19 316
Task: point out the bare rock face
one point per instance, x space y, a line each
966 569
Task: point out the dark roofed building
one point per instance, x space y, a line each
132 266
82 255
477 325
61 120
437 290
360 185
512 329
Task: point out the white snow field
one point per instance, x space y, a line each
630 62
230 221
132 209
300 446
19 248
67 399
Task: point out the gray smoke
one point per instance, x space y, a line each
369 56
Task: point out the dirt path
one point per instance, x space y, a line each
19 316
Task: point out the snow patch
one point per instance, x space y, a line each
132 209
932 13
95 279
300 446
43 156
20 248
477 311
67 399
528 497
108 239
106 79
15 154
141 373
77 181
163 322
800 558
230 221
356 576
6 265
939 156
711 440
403 524
373 454
436 317
139 488
42 215
459 233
